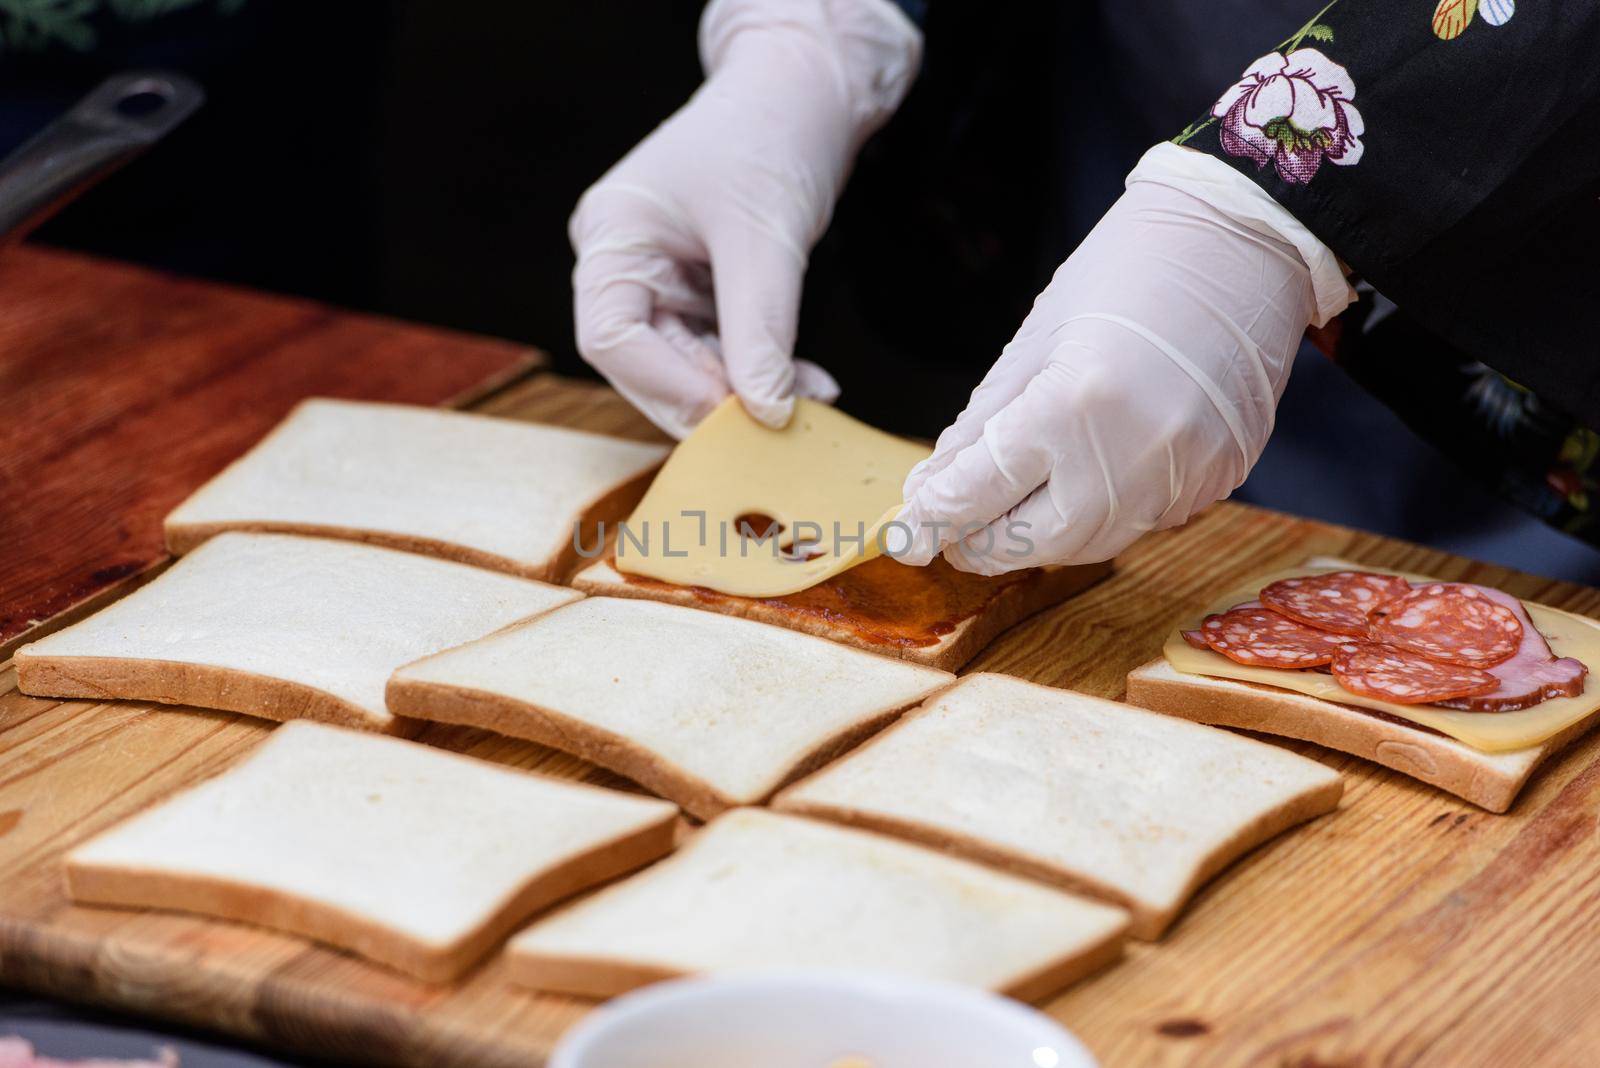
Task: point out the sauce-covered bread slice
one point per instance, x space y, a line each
932 615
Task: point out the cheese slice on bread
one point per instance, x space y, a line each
279 626
1092 795
758 890
497 493
707 710
823 479
414 857
1484 757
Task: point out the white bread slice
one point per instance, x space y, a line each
759 890
1091 795
496 493
707 710
415 857
1488 780
279 626
1045 588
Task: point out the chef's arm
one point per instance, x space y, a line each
1452 160
692 250
1142 385
1448 153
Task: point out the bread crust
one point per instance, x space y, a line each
135 887
445 703
172 682
1011 606
1150 921
601 977
613 505
1488 780
592 977
604 977
1057 975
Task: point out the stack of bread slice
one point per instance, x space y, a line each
286 626
375 566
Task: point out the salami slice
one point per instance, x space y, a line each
1254 635
1339 601
1451 622
1405 678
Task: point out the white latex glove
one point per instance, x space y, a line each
692 249
1142 385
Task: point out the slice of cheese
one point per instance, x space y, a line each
829 480
1492 732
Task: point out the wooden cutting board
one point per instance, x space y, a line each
1405 929
125 388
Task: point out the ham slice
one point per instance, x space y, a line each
1532 674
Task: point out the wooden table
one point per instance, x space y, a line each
124 388
1406 929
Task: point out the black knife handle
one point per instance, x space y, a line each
120 118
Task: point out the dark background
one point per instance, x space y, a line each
419 159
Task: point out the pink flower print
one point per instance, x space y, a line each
1292 111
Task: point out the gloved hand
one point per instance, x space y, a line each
692 249
1142 385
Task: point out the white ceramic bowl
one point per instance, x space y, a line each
815 1019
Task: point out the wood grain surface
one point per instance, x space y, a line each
1405 929
126 388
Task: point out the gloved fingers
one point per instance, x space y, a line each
963 497
644 250
1020 538
1015 453
670 376
679 288
1134 445
758 283
1038 531
810 380
1007 378
695 346
619 214
1011 458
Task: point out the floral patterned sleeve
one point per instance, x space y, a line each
1448 151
